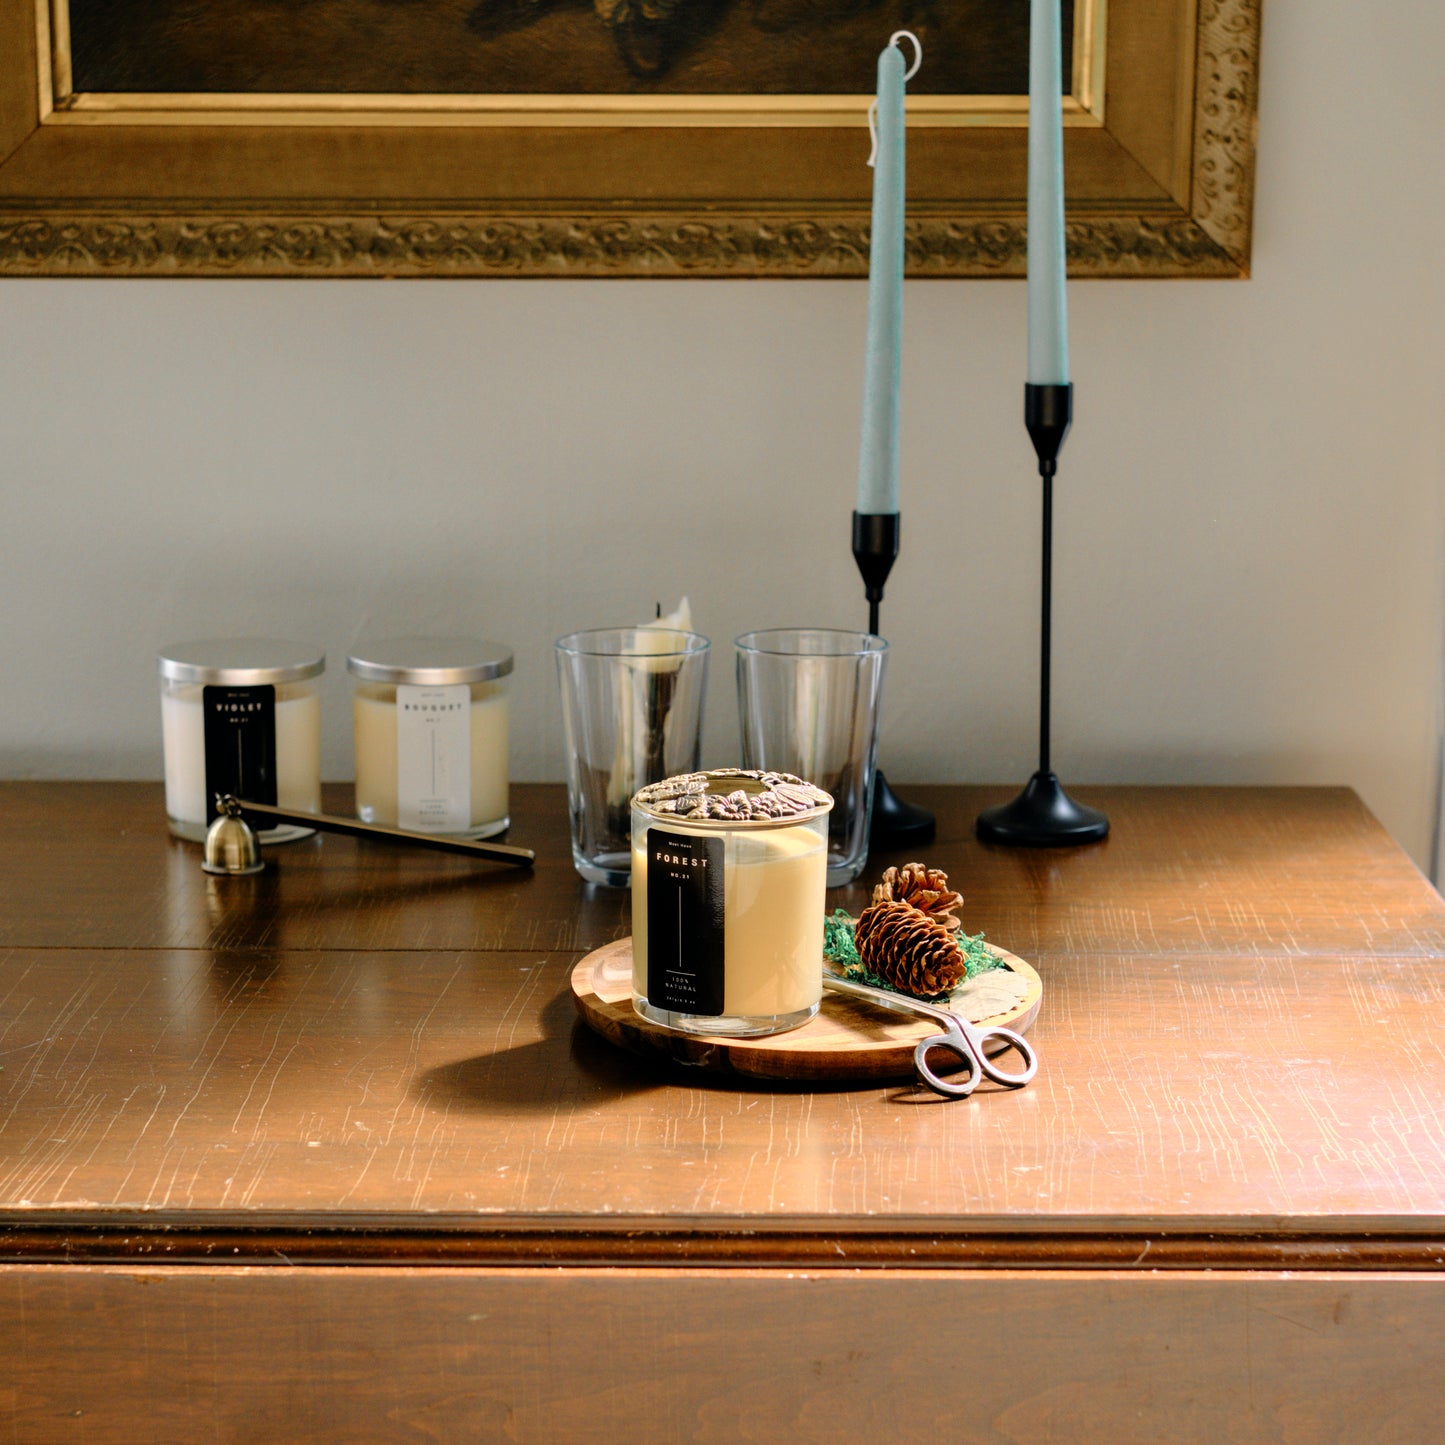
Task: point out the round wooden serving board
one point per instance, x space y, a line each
846 1040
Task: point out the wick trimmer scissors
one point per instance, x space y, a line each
962 1039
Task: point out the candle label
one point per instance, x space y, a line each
684 922
240 733
434 758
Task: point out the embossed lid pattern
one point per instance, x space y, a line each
757 796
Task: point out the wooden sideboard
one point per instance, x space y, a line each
325 1154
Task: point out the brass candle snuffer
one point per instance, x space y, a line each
232 849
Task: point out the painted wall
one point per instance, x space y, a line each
1249 553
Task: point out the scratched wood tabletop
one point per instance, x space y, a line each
1240 1028
326 1153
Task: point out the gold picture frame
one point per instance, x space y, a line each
1159 158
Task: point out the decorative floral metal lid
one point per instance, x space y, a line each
735 795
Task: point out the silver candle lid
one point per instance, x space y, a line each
240 661
734 795
430 661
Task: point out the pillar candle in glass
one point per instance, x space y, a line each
430 723
729 872
241 716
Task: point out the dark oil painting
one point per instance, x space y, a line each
582 47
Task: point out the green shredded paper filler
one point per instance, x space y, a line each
842 952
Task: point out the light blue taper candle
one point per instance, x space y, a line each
1048 313
878 445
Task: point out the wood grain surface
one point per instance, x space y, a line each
1208 1092
848 1041
261 1060
659 1357
1191 870
1218 1212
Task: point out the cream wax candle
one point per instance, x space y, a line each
430 724
655 650
240 716
729 871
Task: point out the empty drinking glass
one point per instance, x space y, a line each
632 712
808 701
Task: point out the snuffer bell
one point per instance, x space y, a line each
231 845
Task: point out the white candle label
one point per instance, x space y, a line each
685 919
239 724
434 758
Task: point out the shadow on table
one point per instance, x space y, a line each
304 879
572 1065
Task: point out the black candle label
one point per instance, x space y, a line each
240 728
684 922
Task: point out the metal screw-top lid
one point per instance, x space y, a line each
430 661
241 661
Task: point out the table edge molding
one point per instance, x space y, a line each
824 1244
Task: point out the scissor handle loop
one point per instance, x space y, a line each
1010 1040
955 1045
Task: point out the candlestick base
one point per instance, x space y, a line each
1042 816
897 824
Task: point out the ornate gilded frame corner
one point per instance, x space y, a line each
1226 124
1160 145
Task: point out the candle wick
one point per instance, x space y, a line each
907 76
658 613
917 51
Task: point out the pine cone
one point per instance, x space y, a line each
925 888
909 949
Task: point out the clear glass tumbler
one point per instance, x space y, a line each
632 714
808 701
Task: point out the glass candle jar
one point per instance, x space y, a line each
430 722
729 872
243 717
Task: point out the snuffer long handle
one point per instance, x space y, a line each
328 823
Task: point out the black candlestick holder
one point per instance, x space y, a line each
1044 815
895 824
